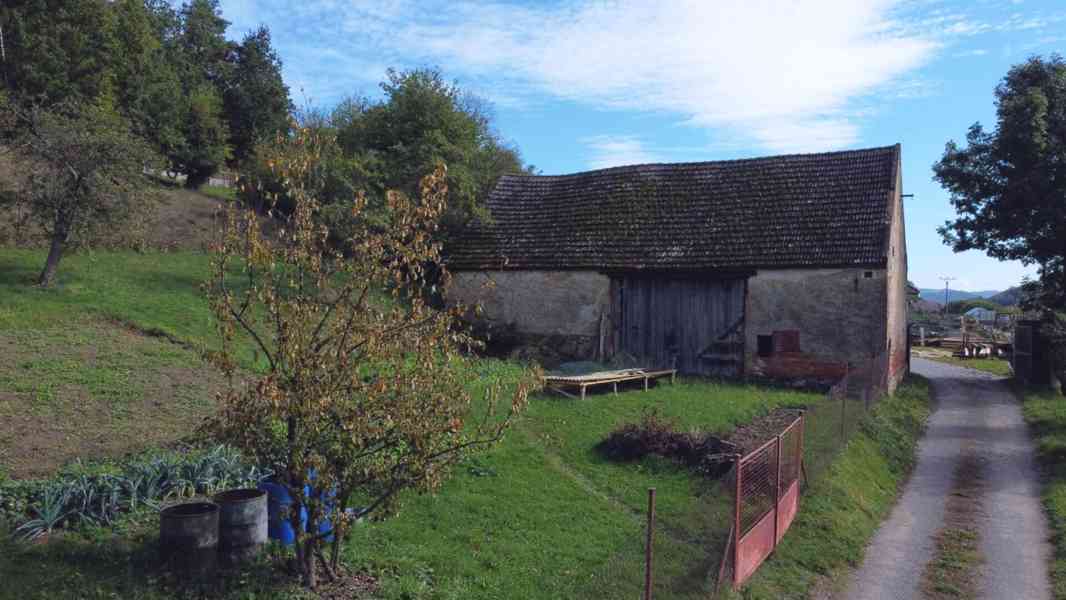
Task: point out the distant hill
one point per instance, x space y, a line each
937 295
1008 297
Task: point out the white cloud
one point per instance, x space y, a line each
615 150
782 75
777 72
974 52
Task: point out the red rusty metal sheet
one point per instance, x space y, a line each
786 509
753 548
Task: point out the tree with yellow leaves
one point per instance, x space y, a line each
363 386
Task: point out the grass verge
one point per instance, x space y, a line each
1045 411
995 366
954 569
841 510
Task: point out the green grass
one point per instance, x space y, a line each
81 378
545 516
1045 411
219 192
995 366
541 515
157 293
842 509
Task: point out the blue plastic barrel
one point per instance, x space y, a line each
279 527
278 501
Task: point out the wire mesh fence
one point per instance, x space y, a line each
802 450
695 543
832 422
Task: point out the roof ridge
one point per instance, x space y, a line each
893 147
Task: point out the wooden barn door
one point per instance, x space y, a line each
693 325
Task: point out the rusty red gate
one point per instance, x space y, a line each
767 498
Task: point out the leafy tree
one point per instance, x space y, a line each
202 41
197 52
424 120
148 90
204 136
256 98
57 50
364 383
86 171
1008 186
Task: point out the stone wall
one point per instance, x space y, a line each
560 309
839 315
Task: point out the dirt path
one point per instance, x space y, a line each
1013 531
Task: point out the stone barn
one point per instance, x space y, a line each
784 267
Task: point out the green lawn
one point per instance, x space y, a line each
541 515
157 293
545 516
1045 411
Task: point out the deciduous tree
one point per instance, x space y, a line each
86 171
363 392
255 96
1008 186
423 120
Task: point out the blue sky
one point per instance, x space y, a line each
578 84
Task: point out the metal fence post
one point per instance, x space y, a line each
777 486
844 416
736 516
648 551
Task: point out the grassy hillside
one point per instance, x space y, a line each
106 363
92 368
937 294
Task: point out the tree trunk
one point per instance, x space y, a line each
59 239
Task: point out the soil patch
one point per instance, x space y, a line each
761 430
346 586
95 390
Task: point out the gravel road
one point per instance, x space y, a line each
971 405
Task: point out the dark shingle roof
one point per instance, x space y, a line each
804 210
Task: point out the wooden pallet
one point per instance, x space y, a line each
556 383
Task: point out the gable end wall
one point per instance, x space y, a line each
839 314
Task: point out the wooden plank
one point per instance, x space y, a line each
563 392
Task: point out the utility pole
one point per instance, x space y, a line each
946 281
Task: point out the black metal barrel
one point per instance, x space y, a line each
242 524
188 538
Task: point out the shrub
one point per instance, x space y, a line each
702 452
